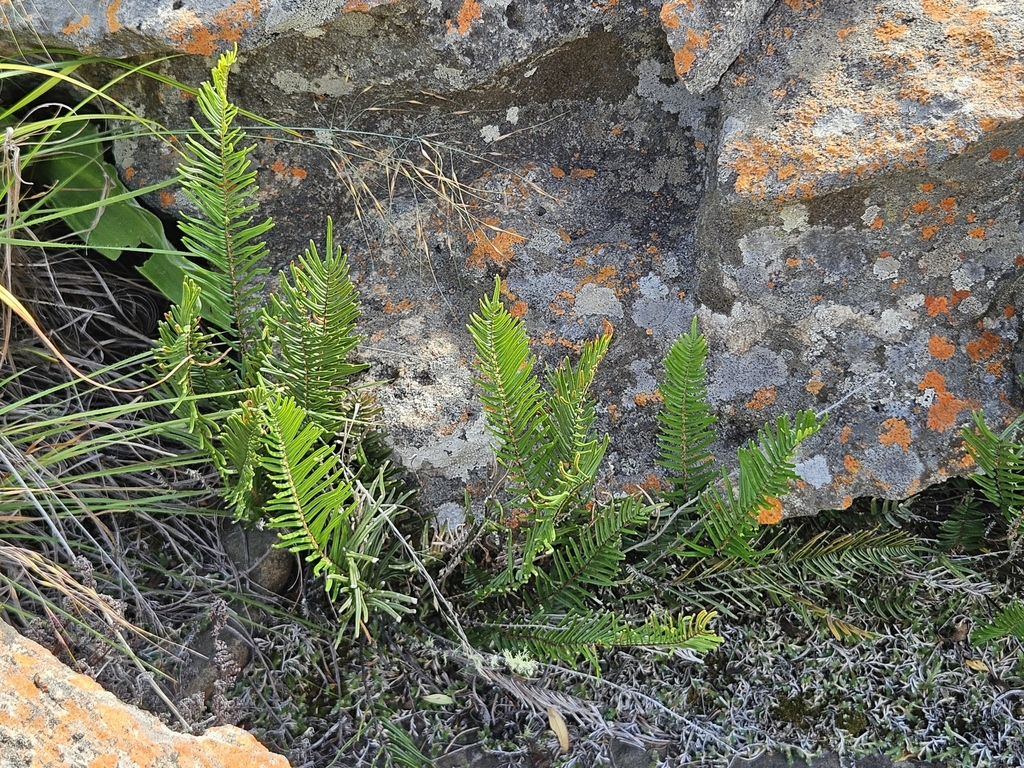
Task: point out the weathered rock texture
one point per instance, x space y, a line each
51 717
833 188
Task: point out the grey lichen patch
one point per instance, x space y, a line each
597 300
660 311
329 84
736 378
815 471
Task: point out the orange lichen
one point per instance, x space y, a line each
762 398
518 309
896 433
940 347
605 276
192 35
557 172
815 385
670 12
74 27
889 31
582 173
686 56
771 514
468 13
920 206
928 231
112 23
946 408
495 248
978 233
129 173
842 34
984 347
877 222
404 305
642 399
844 435
947 204
999 153
166 198
936 305
852 464
282 171
937 10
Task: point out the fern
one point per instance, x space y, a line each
217 179
321 516
591 555
1009 621
965 528
511 397
311 323
1001 459
729 512
585 634
686 434
188 353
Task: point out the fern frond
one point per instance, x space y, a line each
965 528
572 407
729 513
311 322
585 635
686 422
512 397
241 470
338 527
590 555
1001 459
217 178
188 356
1009 621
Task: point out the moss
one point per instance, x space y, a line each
853 722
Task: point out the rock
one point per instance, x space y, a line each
861 239
833 189
128 29
707 35
51 716
253 553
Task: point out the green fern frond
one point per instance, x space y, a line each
729 513
311 322
1009 621
217 178
686 432
193 364
512 397
966 527
572 407
1001 459
242 442
590 555
586 635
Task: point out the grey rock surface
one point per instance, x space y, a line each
841 211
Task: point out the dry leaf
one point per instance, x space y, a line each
977 665
559 728
438 698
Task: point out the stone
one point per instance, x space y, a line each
861 236
707 36
831 188
51 717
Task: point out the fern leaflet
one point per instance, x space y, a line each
686 433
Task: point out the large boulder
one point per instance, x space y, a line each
51 717
832 188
